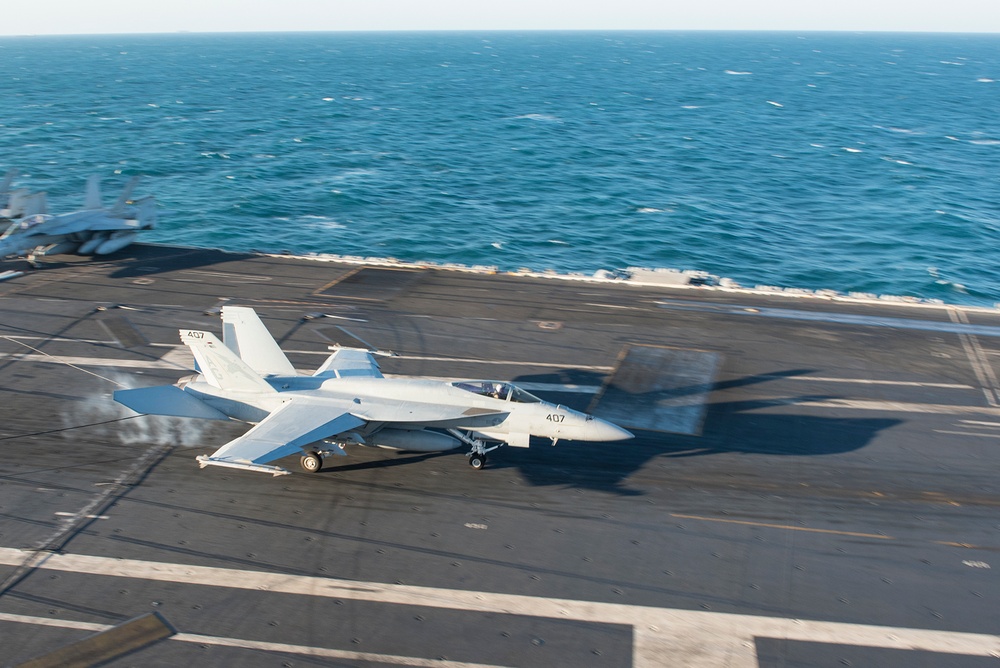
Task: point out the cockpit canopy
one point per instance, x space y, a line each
497 390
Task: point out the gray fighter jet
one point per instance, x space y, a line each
346 401
94 230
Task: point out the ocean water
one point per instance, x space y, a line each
853 162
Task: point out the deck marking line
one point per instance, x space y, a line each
977 358
180 361
43 355
867 381
966 433
696 636
106 645
256 644
893 406
60 339
782 526
955 326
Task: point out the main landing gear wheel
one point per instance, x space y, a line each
477 461
311 462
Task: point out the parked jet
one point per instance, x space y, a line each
18 203
93 230
346 401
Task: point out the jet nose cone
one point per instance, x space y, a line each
607 431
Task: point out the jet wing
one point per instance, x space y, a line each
111 224
87 221
69 223
284 432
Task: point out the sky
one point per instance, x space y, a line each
58 17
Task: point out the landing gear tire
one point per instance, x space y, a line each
311 462
477 461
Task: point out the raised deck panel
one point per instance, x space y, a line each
658 389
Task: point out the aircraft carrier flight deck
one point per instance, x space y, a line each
812 482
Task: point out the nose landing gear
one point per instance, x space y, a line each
477 457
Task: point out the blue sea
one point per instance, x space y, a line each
852 162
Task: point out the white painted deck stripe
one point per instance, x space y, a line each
284 648
977 358
180 358
91 361
174 362
865 381
662 636
892 406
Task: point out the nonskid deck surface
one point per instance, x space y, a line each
813 483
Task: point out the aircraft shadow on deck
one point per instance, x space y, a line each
139 260
728 427
136 261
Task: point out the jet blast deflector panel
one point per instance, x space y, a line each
363 283
658 389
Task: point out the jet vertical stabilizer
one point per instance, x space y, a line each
119 208
8 180
220 366
248 338
146 212
22 203
92 199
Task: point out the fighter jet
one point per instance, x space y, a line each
93 230
346 401
19 203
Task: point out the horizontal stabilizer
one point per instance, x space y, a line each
167 400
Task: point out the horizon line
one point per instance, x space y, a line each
840 31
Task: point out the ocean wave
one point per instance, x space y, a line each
322 222
545 118
457 173
897 130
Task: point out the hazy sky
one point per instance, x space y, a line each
27 17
